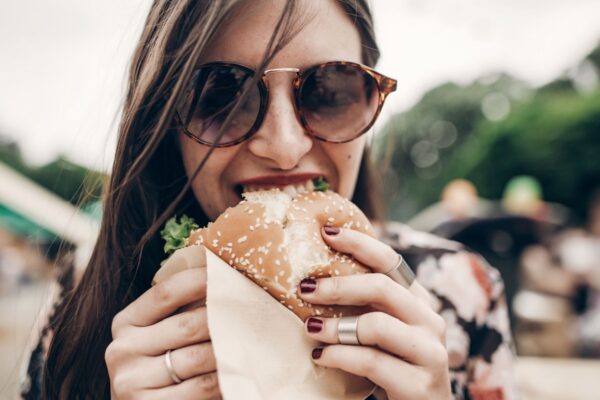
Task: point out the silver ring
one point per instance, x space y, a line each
401 273
170 369
348 330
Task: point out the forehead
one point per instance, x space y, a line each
328 34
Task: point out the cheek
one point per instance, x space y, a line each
209 178
346 158
350 156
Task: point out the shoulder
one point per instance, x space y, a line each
30 380
449 270
469 294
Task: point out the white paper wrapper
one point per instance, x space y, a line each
261 349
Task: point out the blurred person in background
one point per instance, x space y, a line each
567 265
110 333
459 203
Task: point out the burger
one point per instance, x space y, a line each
274 238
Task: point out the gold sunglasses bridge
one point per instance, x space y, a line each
295 70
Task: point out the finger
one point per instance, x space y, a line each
205 386
378 256
376 290
397 377
179 330
163 299
187 362
383 331
371 252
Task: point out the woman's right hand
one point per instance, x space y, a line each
153 324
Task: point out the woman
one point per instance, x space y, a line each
184 147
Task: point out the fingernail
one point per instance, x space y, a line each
316 353
331 230
314 325
308 285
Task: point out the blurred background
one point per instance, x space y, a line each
492 139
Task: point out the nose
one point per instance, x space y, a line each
281 139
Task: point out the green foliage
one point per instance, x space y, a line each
415 147
551 133
70 181
555 137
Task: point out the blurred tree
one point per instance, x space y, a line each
492 130
70 181
554 137
414 147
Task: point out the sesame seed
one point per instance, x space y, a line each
242 239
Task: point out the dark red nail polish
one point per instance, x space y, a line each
331 230
316 353
314 325
308 285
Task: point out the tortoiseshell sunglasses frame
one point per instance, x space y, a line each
385 86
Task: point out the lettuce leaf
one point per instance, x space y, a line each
176 233
320 184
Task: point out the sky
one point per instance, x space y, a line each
63 62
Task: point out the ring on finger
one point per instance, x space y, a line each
170 369
402 273
348 330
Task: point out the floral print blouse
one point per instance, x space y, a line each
467 293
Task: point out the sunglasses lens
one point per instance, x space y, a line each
338 102
216 89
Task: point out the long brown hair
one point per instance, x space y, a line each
148 183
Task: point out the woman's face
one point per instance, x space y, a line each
280 147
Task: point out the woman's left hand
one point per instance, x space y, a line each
402 343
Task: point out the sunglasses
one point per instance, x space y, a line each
335 101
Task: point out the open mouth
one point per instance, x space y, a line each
292 189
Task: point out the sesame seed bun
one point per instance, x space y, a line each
275 240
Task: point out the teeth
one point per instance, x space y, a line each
291 190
